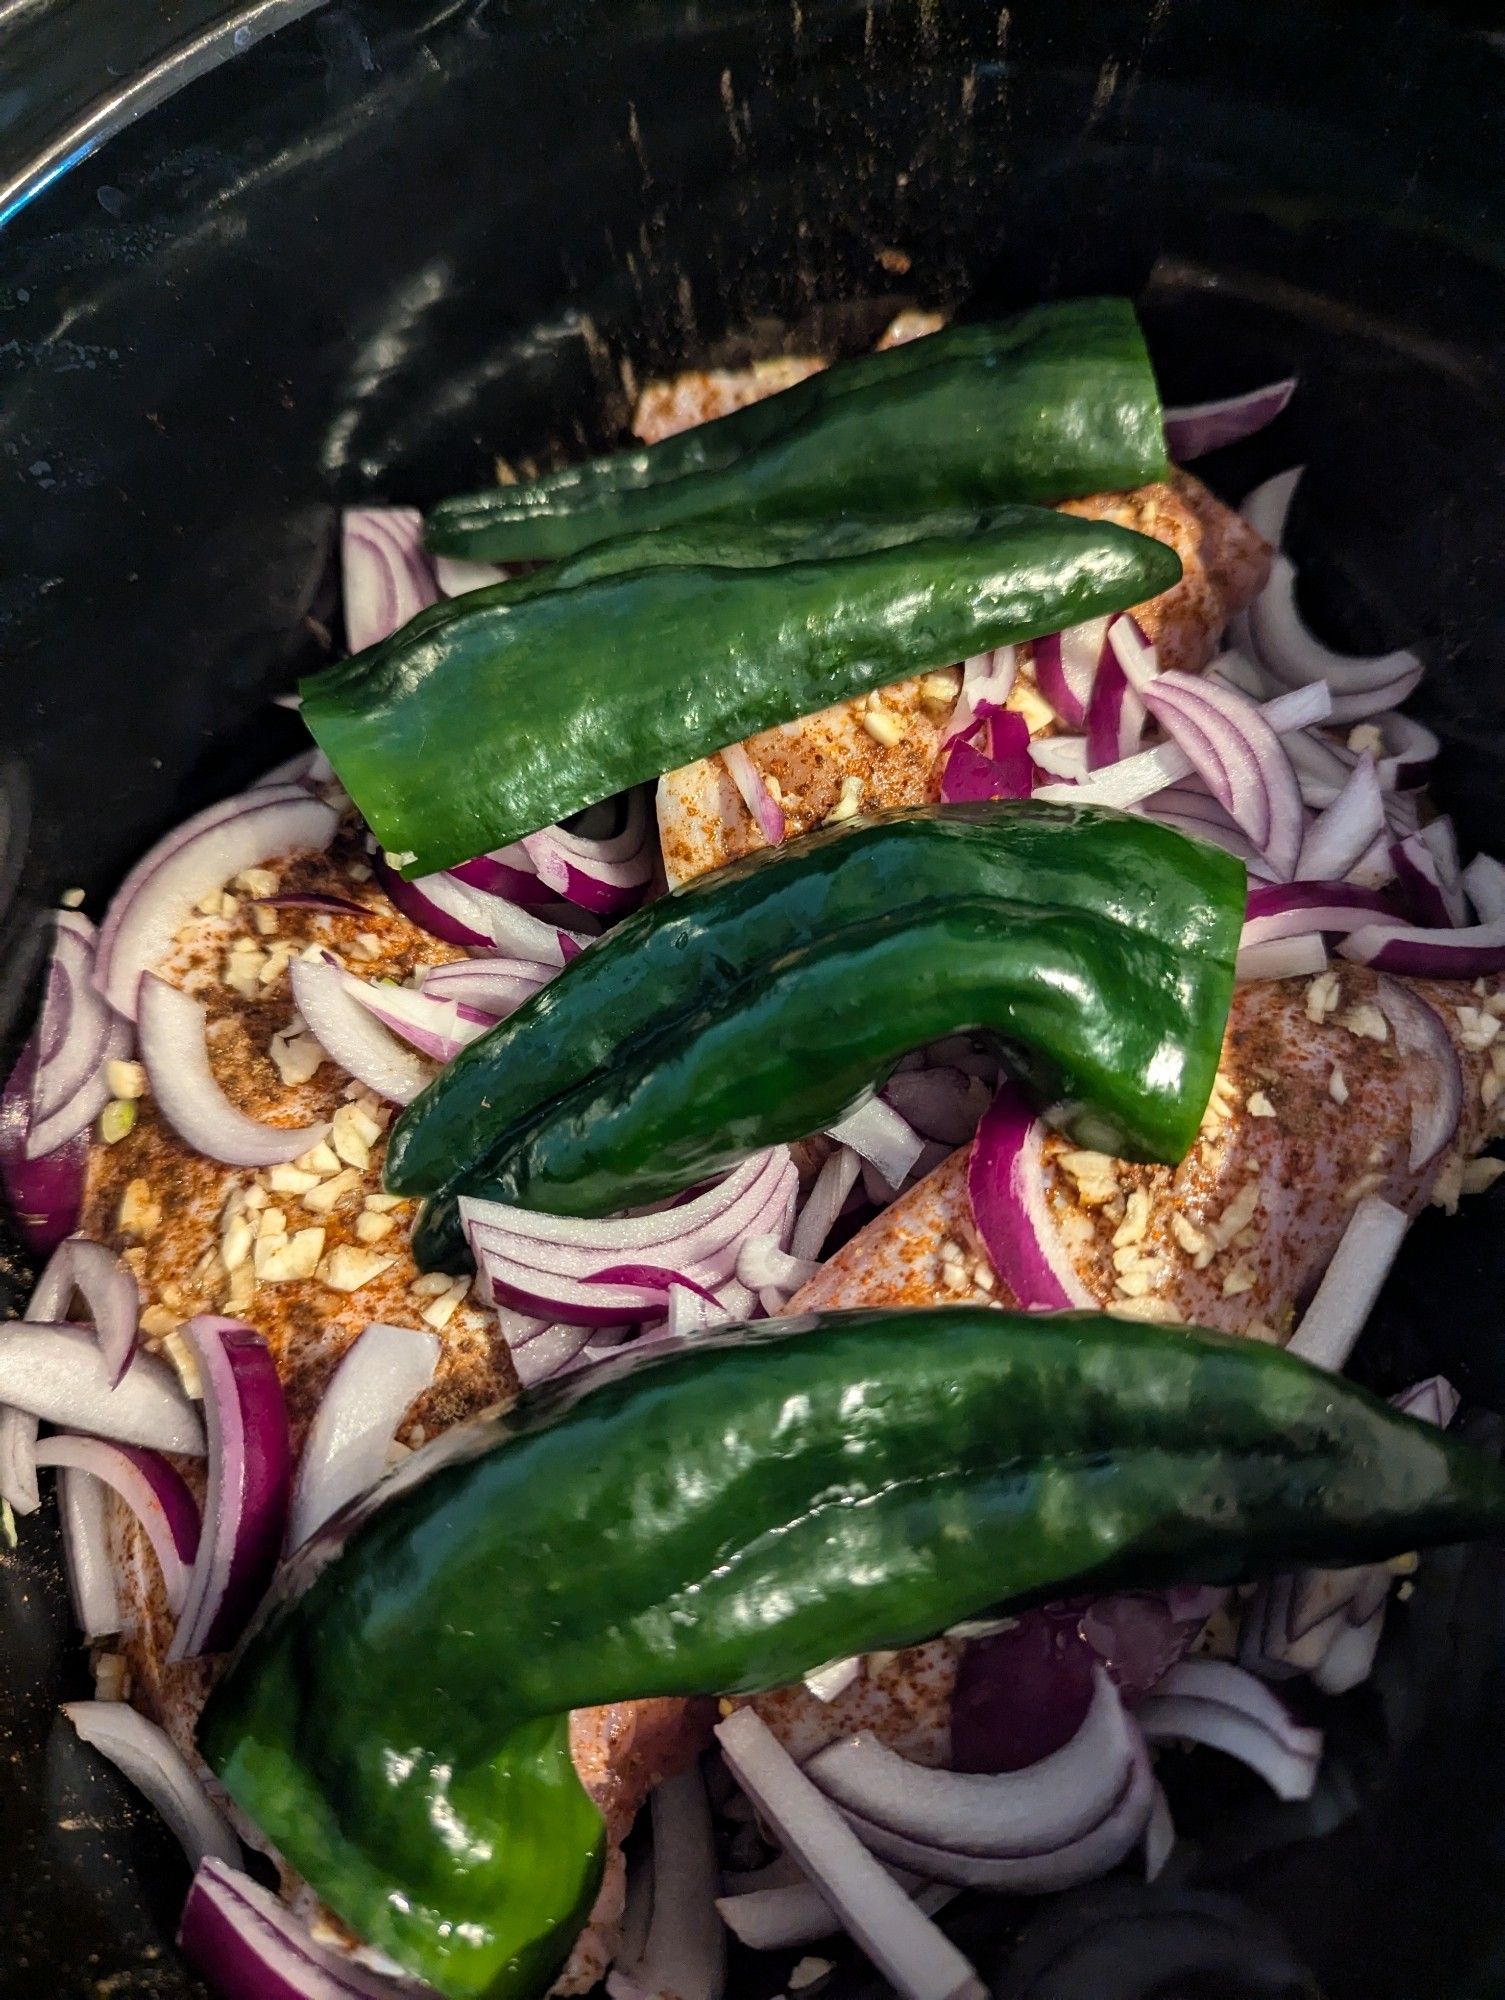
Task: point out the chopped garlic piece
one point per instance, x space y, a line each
884 727
1187 1233
126 1079
117 1120
439 1312
291 1180
384 1204
139 1214
235 1243
186 1364
266 920
1366 1020
1478 1029
280 1260
1323 996
327 1194
1240 1279
1095 1175
348 1267
256 882
849 803
157 1322
321 1159
1136 1220
1337 1086
429 1285
371 1227
1480 1175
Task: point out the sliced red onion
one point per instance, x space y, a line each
826 1683
796 1913
76 1115
59 1374
1215 1703
1472 953
824 1202
153 1490
175 1051
250 1474
47 1194
767 815
763 1266
1351 1656
987 682
1005 771
1437 1108
918 1960
93 1584
1349 827
1433 1400
329 999
691 1312
108 1290
1300 957
1115 714
878 1134
386 574
1374 868
1066 667
73 1034
1235 669
1441 843
1351 1284
18 1461
685 1950
548 1353
1006 1187
1014 1816
452 909
1193 429
559 1267
456 576
437 1027
1149 771
612 872
1190 809
345 1452
1061 756
495 986
1238 756
158 896
249 1947
148 1757
1484 879
1288 909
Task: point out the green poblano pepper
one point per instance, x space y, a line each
721 1519
1055 402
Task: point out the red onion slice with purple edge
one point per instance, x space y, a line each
250 1947
766 812
880 1136
47 1194
175 1050
1006 1188
1005 771
148 1757
18 1461
1238 756
158 896
250 1476
916 1958
346 1451
386 574
436 1026
1066 665
987 682
93 1582
1345 1298
1115 714
494 986
1193 429
684 1952
108 1290
1347 829
1475 952
58 1373
455 910
155 1492
1436 1110
329 999
1214 1703
1484 879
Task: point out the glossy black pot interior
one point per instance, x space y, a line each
391 241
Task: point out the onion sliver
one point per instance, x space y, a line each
1006 1187
249 1947
824 1203
1437 1108
73 1032
1015 1815
794 1913
1361 687
1348 828
18 1461
93 1585
1239 758
1192 429
548 1354
1433 1400
59 1374
158 896
175 1050
1351 1284
108 1289
1159 1835
385 573
347 1447
46 1194
1115 713
1149 771
879 1135
250 1466
496 986
450 908
987 682
457 576
1426 866
766 812
1287 909
1484 879
437 1027
350 1035
153 1490
918 1960
1472 953
1226 1708
1300 957
685 1950
160 1772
